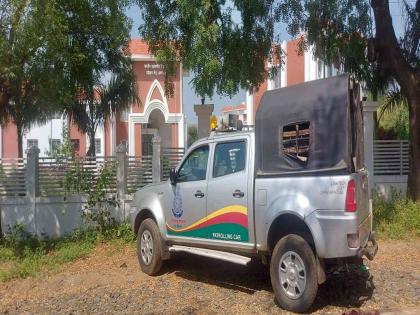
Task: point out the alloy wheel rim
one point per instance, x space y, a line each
292 274
146 247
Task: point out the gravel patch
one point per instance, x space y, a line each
109 281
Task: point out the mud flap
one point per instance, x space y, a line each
320 270
164 250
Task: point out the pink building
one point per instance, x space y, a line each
158 114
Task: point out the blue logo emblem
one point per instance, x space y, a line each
177 205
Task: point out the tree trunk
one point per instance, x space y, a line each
392 61
19 140
413 183
4 102
91 151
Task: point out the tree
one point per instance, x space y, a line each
51 50
31 76
227 55
95 106
341 32
98 32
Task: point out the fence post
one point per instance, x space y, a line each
369 108
156 164
32 172
32 184
122 169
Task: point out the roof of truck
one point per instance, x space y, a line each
225 134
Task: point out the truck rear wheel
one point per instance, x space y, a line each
293 274
149 247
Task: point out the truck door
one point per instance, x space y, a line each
188 207
227 200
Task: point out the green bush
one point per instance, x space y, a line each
26 256
398 218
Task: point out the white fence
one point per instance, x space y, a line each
390 157
390 166
33 190
12 177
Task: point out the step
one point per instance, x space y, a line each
233 258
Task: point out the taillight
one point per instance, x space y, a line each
351 196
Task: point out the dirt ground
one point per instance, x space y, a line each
109 281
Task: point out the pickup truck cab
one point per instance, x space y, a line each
293 192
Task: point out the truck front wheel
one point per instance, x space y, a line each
293 274
149 247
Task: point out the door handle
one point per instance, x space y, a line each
238 194
199 194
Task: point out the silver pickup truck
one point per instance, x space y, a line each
293 192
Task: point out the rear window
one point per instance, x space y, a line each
295 140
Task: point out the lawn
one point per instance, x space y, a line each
22 255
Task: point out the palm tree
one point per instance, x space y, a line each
393 100
95 105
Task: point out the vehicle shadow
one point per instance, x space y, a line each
350 288
247 279
344 289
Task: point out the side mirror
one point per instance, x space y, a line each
172 176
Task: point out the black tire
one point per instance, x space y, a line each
150 261
292 248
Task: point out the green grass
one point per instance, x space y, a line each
396 219
22 255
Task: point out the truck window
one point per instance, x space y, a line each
195 166
295 140
229 158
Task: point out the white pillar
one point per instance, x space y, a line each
203 112
181 132
131 137
369 108
283 82
249 108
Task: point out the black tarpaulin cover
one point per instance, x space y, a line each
323 105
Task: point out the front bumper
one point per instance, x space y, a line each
370 249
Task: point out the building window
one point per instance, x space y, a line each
32 143
98 147
54 143
124 115
296 139
76 144
277 78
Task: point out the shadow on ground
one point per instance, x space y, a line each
342 289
